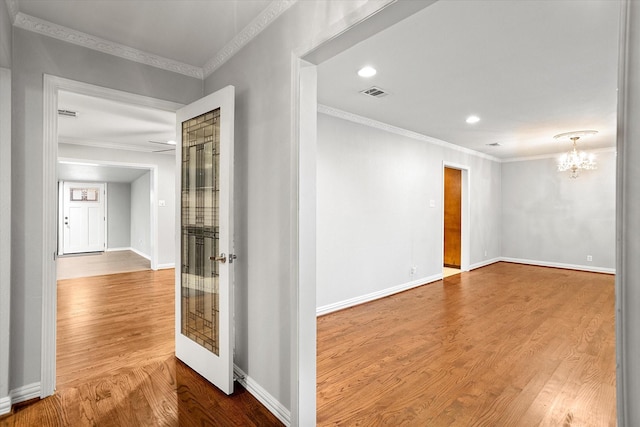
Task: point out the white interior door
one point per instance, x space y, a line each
204 184
83 221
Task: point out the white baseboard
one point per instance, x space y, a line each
341 305
27 392
484 263
264 397
5 405
165 266
118 249
143 255
560 265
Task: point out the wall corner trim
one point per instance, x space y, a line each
351 302
263 396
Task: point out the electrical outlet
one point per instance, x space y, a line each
485 252
413 270
589 258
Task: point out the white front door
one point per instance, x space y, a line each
204 264
83 221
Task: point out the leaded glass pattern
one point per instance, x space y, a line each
200 229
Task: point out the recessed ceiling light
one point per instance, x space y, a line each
473 119
367 71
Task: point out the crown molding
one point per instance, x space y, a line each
12 5
555 155
330 111
59 32
248 33
114 146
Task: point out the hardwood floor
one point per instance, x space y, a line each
116 364
504 345
100 263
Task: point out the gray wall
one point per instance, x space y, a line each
5 36
140 213
374 220
34 55
264 194
549 217
118 215
628 231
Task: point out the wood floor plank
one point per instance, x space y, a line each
504 345
116 363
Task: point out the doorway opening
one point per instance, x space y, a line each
128 224
160 195
455 219
307 167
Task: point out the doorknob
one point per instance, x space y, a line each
222 258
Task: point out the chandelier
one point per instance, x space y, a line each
575 160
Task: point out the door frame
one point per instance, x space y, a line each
51 86
369 19
465 232
61 202
5 236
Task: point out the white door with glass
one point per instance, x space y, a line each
204 264
83 220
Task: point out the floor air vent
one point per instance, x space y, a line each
375 91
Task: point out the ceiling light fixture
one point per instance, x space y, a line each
575 160
473 119
172 142
367 71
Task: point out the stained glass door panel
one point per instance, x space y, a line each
200 229
204 332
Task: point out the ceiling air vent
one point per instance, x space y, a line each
68 113
375 91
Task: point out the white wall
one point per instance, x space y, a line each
140 214
549 217
118 215
374 220
34 55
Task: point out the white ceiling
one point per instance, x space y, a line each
198 35
84 171
112 124
528 69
